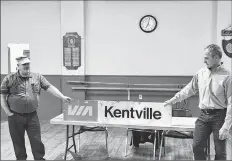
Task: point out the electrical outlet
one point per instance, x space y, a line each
140 96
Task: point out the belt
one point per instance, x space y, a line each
22 113
211 111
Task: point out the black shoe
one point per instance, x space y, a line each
136 145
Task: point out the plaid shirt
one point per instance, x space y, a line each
23 93
214 89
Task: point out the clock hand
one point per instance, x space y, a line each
148 22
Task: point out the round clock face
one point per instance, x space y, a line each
148 23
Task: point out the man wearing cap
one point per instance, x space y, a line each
213 84
20 99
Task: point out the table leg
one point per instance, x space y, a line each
67 148
106 133
126 142
73 137
78 143
67 139
161 144
154 145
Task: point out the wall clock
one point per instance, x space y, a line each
148 23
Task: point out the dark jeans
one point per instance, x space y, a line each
204 126
18 124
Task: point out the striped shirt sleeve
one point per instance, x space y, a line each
44 83
4 85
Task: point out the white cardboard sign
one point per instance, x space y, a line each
119 112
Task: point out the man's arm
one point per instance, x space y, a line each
54 91
189 90
4 105
225 129
228 120
228 92
4 93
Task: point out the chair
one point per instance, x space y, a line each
178 112
145 132
93 129
83 129
177 134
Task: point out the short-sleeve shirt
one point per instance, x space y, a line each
23 93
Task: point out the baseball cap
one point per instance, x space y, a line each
23 60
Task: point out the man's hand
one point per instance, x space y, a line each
168 103
223 133
66 99
9 113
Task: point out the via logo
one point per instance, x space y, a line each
81 111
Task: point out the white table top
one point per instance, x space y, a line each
178 123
